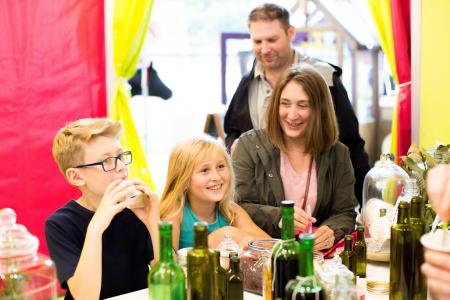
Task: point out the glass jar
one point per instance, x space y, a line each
252 262
24 274
383 184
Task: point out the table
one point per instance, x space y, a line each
375 271
143 295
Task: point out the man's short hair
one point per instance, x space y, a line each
68 144
270 12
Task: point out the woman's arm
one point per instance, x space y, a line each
265 216
342 216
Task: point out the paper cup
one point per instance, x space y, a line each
438 240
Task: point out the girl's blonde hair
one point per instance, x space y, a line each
182 161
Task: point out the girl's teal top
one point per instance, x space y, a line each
187 225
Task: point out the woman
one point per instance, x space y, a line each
297 157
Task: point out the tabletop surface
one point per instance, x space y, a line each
375 272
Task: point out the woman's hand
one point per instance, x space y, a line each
323 238
437 270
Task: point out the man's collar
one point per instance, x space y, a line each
259 71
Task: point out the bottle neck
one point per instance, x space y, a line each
306 265
348 244
201 237
360 235
235 266
403 215
417 208
165 244
287 228
410 189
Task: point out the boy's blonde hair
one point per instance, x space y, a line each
69 142
182 161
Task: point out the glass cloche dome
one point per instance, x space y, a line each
24 274
383 184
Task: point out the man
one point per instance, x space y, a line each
100 247
271 35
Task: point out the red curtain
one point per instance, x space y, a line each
52 71
401 25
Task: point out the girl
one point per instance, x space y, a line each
200 187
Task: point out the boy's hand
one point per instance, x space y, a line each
112 203
149 214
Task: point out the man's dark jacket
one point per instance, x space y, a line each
237 121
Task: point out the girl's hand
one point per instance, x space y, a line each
323 238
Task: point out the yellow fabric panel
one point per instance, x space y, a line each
381 12
435 74
130 23
120 111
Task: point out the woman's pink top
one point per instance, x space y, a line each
295 183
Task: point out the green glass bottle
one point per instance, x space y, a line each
347 256
200 278
284 260
360 252
235 280
166 279
418 227
220 277
401 269
305 286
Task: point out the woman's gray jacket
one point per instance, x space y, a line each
260 191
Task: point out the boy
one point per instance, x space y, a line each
101 249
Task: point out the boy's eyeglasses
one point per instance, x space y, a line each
110 163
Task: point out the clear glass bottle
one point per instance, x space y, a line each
360 252
410 189
220 277
344 287
400 281
305 286
284 264
200 279
235 281
24 274
252 262
166 278
418 227
348 256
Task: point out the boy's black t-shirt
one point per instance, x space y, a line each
126 248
